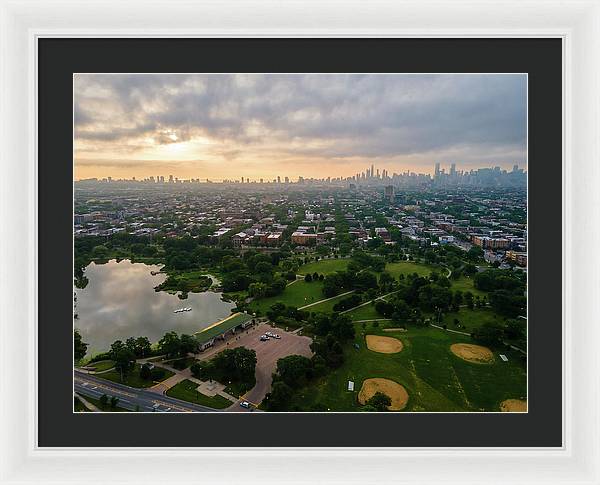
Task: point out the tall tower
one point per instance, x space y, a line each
453 169
372 171
437 170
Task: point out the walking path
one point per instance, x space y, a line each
92 407
326 299
373 320
367 302
208 388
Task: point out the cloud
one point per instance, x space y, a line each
311 116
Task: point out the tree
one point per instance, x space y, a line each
103 400
308 278
145 372
237 364
113 402
384 308
100 252
130 344
257 290
294 369
468 297
170 344
489 334
279 397
79 347
188 345
124 362
115 348
142 346
380 401
506 303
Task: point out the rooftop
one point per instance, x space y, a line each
222 326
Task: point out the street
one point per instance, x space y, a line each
130 398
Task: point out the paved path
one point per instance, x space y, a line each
374 320
449 330
91 407
367 302
132 398
326 299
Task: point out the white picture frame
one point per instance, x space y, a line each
576 22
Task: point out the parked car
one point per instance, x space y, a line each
275 336
245 404
264 337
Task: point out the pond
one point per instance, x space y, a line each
119 301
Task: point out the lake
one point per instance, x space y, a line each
119 301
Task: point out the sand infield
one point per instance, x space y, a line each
513 406
385 345
395 391
473 353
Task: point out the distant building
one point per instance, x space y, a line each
517 257
303 238
389 193
486 242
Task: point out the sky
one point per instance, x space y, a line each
228 126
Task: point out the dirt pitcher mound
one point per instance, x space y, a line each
473 353
513 406
385 345
392 389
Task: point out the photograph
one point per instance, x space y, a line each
300 243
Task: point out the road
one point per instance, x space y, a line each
130 397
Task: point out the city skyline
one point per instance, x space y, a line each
370 173
313 126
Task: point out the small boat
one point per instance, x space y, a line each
184 309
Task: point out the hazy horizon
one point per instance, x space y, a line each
228 126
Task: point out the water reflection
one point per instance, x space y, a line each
119 302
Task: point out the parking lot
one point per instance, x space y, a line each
267 354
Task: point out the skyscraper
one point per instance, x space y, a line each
437 170
372 170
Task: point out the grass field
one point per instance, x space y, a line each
436 380
298 294
186 391
366 312
325 266
102 365
326 306
465 283
133 379
471 319
407 267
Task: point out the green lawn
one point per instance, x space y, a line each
366 312
238 389
186 391
435 379
464 283
325 266
326 306
133 379
298 294
407 267
471 319
79 407
102 365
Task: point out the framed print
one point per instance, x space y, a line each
328 247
